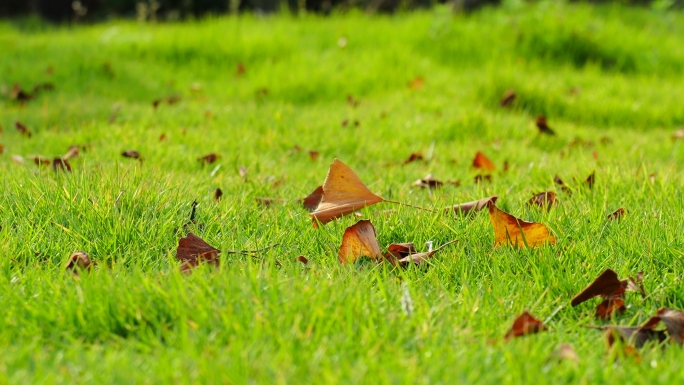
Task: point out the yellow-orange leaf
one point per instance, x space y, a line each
359 240
343 193
482 162
509 230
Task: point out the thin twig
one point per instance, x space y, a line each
246 252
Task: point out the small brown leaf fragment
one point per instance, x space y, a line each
636 284
261 92
60 164
523 325
543 126
240 69
606 284
218 194
269 201
400 250
79 261
162 137
313 155
564 186
73 152
544 200
482 162
343 193
345 122
19 95
312 200
302 259
23 130
479 178
509 230
43 87
193 250
40 160
610 306
2 149
508 98
674 322
616 340
679 134
133 154
359 240
617 214
353 102
590 180
414 157
471 207
418 258
173 99
416 83
209 158
428 182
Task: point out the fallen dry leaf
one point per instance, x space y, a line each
471 207
269 201
133 154
302 259
523 325
353 101
427 182
590 180
544 200
79 261
400 250
482 162
414 258
73 152
2 149
414 157
39 160
19 95
508 98
312 200
509 230
60 164
218 194
674 323
616 341
343 193
606 284
617 214
193 250
417 83
482 178
610 306
564 186
173 99
543 126
208 159
240 69
313 155
22 129
359 240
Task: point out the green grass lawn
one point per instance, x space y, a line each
609 80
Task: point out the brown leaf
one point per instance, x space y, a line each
269 201
428 182
617 214
508 98
564 186
79 261
544 200
359 240
218 194
2 149
636 284
414 157
313 155
523 325
543 126
173 99
353 101
73 152
674 322
19 95
240 70
616 337
312 200
39 160
302 259
471 207
605 309
509 230
590 180
209 158
606 284
22 129
60 164
343 193
482 162
193 250
131 154
400 250
162 137
419 258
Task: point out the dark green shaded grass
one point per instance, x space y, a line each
269 319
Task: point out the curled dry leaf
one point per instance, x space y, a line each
343 193
133 154
79 261
508 98
617 214
482 162
471 207
415 258
523 325
302 259
312 200
428 182
509 230
608 285
414 157
218 194
193 250
359 240
545 200
22 129
209 158
60 164
543 126
610 306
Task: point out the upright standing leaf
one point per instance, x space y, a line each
359 240
312 200
509 230
543 126
482 162
523 325
604 285
343 193
472 206
193 250
507 99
